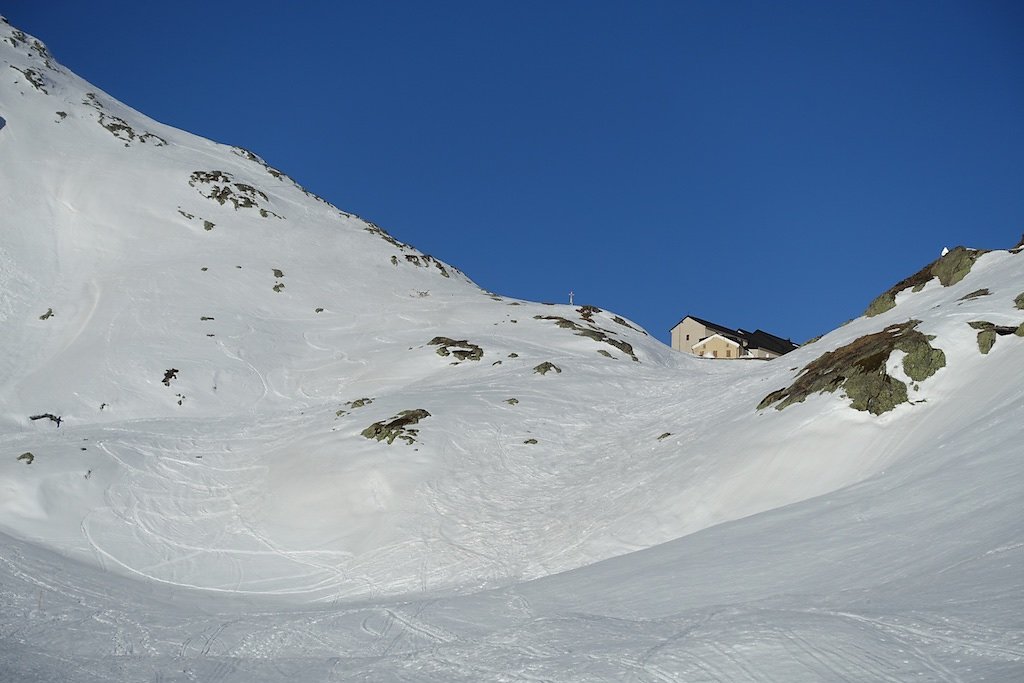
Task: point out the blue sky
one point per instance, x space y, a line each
759 164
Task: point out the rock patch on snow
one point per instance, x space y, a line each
949 268
859 368
398 427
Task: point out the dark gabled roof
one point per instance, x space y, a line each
710 325
759 339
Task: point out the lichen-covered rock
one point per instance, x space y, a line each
875 392
358 403
546 367
921 360
1019 301
595 333
954 266
397 427
859 368
461 349
950 269
988 332
986 340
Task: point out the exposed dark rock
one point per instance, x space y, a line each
48 416
460 348
622 322
120 129
169 375
27 457
47 315
530 441
546 366
975 294
595 333
397 427
223 190
950 269
859 368
358 403
34 78
425 260
988 332
386 236
986 340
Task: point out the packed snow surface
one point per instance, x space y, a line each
206 349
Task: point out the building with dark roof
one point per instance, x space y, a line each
711 340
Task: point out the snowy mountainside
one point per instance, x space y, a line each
265 400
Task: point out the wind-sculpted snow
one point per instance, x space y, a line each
287 445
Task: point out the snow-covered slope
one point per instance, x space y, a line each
575 500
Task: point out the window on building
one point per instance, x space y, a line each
715 354
687 337
728 353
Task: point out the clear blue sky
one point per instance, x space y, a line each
760 164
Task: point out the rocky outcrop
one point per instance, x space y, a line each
949 269
397 427
859 368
